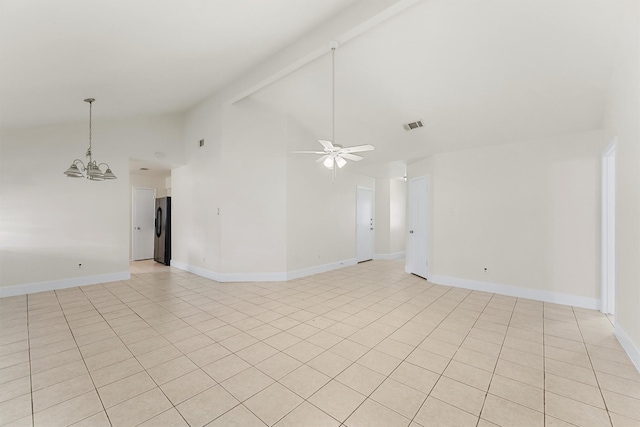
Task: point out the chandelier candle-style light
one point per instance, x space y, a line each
92 168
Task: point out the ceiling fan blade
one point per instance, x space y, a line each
325 143
350 157
321 159
357 149
308 152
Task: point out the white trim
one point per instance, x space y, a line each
310 271
394 255
632 351
516 291
261 277
31 288
607 229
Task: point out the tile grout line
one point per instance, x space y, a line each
606 407
493 373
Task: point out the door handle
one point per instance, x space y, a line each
410 231
371 228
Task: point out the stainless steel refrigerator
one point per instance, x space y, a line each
162 240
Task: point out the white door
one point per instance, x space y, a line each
364 221
143 207
418 246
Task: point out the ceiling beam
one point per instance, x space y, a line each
355 20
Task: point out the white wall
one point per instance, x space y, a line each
279 212
50 223
621 120
527 211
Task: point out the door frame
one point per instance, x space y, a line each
373 211
608 230
410 226
133 215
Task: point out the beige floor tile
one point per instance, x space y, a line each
14 359
468 374
307 415
337 400
278 365
574 390
14 372
623 370
460 395
574 412
360 378
101 347
247 383
256 353
108 358
401 398
69 411
522 357
329 363
570 371
15 409
623 405
515 391
622 421
506 413
304 381
97 420
239 416
303 351
379 362
139 409
207 406
194 343
436 413
159 356
372 414
60 392
273 403
187 386
171 370
619 385
282 341
226 367
414 376
324 339
476 359
16 388
115 372
349 350
57 375
395 348
148 345
571 357
427 360
125 389
208 354
524 374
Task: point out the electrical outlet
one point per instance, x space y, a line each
80 266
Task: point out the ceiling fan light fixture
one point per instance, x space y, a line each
328 163
340 162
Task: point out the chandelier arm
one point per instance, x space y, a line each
81 162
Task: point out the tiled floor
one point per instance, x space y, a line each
367 345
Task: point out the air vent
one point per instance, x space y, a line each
414 125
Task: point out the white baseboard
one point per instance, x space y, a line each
632 351
395 255
31 288
515 291
261 277
296 274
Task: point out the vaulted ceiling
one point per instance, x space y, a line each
476 72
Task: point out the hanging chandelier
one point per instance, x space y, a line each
92 168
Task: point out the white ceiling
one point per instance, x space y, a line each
477 72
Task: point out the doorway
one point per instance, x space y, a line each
143 205
608 278
364 224
418 240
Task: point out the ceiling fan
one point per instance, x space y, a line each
334 154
